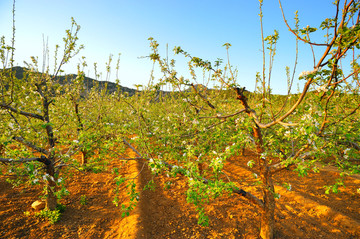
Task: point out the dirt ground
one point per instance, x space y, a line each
304 212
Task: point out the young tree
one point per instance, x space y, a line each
32 111
196 131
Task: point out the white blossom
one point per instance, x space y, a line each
322 88
263 155
346 156
305 73
45 176
306 117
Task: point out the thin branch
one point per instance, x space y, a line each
128 159
207 128
68 165
279 166
222 117
130 146
142 168
297 35
203 97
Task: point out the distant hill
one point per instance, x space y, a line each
89 83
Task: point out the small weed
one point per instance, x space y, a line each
83 200
51 216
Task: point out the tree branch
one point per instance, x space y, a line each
27 114
21 160
203 97
30 145
42 159
279 166
297 35
222 117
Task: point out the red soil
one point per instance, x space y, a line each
304 212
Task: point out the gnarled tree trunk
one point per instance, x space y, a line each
51 200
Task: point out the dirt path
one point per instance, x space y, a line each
303 212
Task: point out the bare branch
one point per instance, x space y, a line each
42 159
130 146
203 97
279 166
68 165
222 117
252 198
21 160
27 114
128 159
30 145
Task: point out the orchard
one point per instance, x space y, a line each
193 132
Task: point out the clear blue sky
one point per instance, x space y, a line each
199 27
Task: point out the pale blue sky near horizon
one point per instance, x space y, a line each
199 27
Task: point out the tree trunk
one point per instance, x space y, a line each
51 200
268 190
2 151
267 215
83 157
243 151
